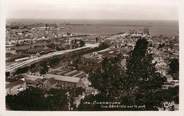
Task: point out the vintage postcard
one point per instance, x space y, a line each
92 55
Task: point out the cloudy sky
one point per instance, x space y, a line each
93 9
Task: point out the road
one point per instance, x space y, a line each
16 65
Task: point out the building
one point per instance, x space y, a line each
65 82
33 80
49 81
13 88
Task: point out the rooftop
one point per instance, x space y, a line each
15 83
63 78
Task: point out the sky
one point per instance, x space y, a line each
93 9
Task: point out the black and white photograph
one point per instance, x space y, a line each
92 55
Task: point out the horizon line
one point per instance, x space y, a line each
92 19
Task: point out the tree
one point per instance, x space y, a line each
31 99
76 61
139 85
171 94
174 68
103 45
54 61
44 67
35 99
41 67
82 43
34 68
108 77
22 70
56 100
143 81
51 45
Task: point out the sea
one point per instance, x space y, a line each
102 27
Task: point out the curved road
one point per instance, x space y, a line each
16 65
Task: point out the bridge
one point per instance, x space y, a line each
17 65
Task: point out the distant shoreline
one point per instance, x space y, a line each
157 27
85 21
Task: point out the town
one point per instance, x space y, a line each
43 56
